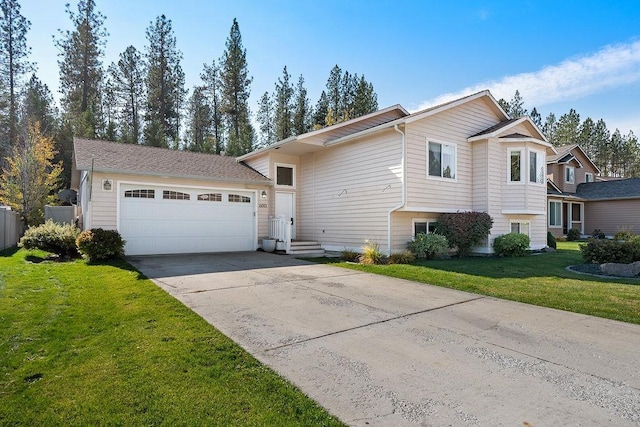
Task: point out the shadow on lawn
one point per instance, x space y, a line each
9 252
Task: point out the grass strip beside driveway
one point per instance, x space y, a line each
537 279
100 345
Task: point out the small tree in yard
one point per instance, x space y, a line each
465 230
30 176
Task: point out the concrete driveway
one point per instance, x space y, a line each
380 351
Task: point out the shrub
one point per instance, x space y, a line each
98 244
349 255
59 239
551 241
600 251
403 257
428 245
623 234
464 230
598 234
512 244
371 254
573 235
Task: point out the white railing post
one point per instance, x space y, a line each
287 236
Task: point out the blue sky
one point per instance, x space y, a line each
559 54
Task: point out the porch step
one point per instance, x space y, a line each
303 247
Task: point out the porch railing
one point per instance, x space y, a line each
280 230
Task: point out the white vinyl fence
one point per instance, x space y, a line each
10 228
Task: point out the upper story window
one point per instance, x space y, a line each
442 160
515 165
588 177
569 174
536 167
285 176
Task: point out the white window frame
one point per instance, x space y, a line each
560 211
415 221
571 172
455 161
510 180
540 158
275 175
521 222
588 175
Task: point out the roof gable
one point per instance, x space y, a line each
567 153
106 156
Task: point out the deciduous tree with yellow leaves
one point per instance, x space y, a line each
30 176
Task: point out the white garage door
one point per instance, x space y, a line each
170 220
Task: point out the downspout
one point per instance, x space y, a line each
404 189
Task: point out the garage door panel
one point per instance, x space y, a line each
157 226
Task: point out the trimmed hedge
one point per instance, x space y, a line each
512 244
573 235
601 251
59 239
98 244
465 230
551 241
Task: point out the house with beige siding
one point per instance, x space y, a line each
383 177
388 175
578 198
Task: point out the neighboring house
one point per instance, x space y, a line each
568 168
382 177
579 198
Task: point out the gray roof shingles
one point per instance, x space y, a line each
137 159
618 189
495 127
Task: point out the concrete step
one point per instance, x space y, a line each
306 247
318 252
303 243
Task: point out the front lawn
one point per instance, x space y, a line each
100 345
536 279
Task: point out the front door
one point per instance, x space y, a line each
286 208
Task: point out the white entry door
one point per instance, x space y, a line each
286 208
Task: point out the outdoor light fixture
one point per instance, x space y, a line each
107 184
263 194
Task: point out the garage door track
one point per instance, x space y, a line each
375 350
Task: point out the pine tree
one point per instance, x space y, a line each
80 65
236 91
504 104
13 66
536 118
516 106
164 85
348 85
283 103
321 111
107 119
211 78
550 128
31 175
128 85
366 100
200 120
265 119
585 137
301 110
568 128
334 94
601 145
38 106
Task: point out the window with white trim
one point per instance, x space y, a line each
569 174
441 160
285 176
515 165
555 214
521 227
536 167
588 177
423 227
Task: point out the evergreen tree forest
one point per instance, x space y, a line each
142 97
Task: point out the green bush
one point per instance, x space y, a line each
428 245
598 234
59 239
573 235
600 251
98 244
403 257
551 241
464 230
623 234
512 244
349 255
371 254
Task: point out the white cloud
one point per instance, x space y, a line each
611 66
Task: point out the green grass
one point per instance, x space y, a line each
101 345
537 279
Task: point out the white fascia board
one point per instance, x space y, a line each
522 212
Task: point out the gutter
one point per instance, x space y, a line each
404 188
